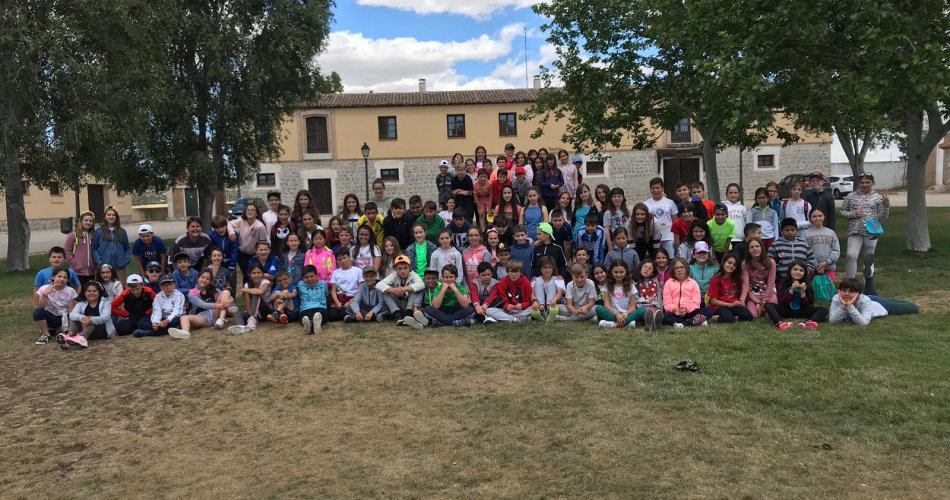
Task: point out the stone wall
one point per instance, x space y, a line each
630 170
53 224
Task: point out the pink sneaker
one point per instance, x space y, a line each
809 325
785 325
252 323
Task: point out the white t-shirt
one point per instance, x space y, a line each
621 301
58 301
737 214
264 281
796 210
270 218
545 292
364 258
347 281
663 210
581 295
446 216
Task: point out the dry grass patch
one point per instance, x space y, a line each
933 302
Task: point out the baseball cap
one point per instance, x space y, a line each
502 248
701 246
145 228
153 265
402 259
617 191
509 146
520 171
444 163
544 227
134 279
180 256
817 173
165 279
577 159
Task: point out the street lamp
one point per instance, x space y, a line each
365 151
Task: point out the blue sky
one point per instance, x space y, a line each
387 45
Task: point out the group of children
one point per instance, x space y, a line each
681 263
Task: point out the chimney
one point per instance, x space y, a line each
537 81
422 85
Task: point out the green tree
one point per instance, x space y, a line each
232 71
628 67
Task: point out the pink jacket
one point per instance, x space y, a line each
324 260
685 294
79 254
248 234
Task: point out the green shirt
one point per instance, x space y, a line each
432 228
721 234
422 258
449 300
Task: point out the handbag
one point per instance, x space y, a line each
823 287
874 227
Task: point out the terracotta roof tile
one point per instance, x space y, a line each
386 99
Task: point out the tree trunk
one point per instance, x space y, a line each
712 170
206 192
855 148
18 227
919 146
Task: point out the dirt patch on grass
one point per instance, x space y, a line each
388 412
933 302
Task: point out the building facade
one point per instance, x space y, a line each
45 207
408 133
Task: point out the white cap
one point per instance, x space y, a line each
134 279
145 228
701 246
444 163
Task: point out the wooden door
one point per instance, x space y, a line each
676 170
322 192
96 197
191 203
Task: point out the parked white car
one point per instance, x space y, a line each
841 186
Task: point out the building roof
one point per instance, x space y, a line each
442 98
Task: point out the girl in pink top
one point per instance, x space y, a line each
247 230
320 256
683 299
758 278
474 255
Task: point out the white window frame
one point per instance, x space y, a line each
596 176
400 165
269 168
774 151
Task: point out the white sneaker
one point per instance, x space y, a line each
305 321
412 322
489 321
178 333
238 330
606 324
704 323
632 324
420 318
317 323
219 325
678 325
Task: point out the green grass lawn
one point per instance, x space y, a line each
533 411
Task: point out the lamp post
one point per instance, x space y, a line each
365 151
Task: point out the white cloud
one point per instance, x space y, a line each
477 9
396 64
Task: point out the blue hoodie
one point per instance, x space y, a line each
524 253
227 247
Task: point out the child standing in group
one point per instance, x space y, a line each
368 303
475 254
545 247
247 231
313 301
344 285
563 235
281 230
824 244
725 293
351 212
581 296
91 318
79 248
622 251
682 298
522 250
303 203
758 278
132 309
507 207
721 229
220 240
616 215
703 266
372 220
512 295
267 262
320 256
491 244
167 310
110 243
762 214
459 229
345 240
209 307
483 202
620 301
534 212
52 303
497 186
698 231
644 232
398 224
797 207
283 299
366 253
664 211
521 184
443 182
111 288
795 299
149 248
548 291
736 210
682 225
584 205
293 260
308 224
446 254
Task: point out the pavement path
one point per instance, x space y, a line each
41 241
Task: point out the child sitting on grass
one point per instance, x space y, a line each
57 261
208 305
132 309
283 299
51 304
682 298
313 301
620 307
91 318
548 290
368 303
450 304
481 289
795 299
725 291
344 285
185 277
255 291
513 296
167 310
581 296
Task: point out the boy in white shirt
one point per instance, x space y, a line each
664 211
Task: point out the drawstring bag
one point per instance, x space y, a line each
823 287
874 227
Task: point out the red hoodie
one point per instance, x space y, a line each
511 293
127 303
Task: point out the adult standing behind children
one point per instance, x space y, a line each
382 201
110 243
865 209
194 243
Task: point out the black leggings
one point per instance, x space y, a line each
731 314
126 326
778 312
